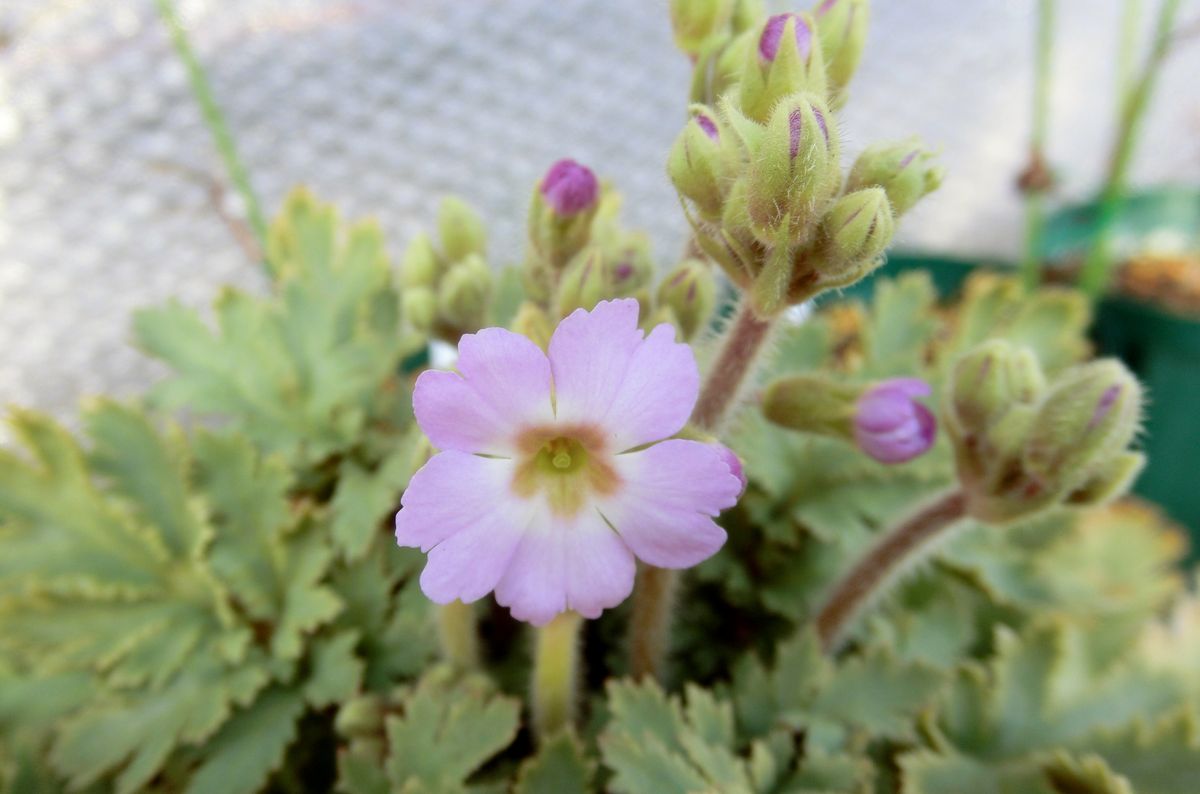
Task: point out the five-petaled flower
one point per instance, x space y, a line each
554 474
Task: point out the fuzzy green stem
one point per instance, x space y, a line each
458 635
1035 213
556 674
214 120
650 629
1098 264
898 547
650 624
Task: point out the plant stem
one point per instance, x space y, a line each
877 567
650 624
214 120
650 629
457 634
1035 213
1097 266
731 369
556 674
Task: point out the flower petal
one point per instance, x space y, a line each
504 387
562 564
589 355
451 492
638 390
670 493
657 394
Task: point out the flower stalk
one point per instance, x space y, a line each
556 674
457 635
653 602
898 548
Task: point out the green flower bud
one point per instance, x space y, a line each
420 307
905 170
698 22
701 162
787 60
460 229
463 294
812 404
420 266
1109 481
794 171
583 283
690 292
747 14
842 29
988 381
533 323
860 226
1089 416
628 267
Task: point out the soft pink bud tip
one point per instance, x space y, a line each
768 43
890 425
570 188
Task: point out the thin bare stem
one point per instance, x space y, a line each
879 565
556 674
649 627
214 119
458 634
1035 212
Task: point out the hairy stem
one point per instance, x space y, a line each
556 674
874 571
731 369
214 120
649 629
457 634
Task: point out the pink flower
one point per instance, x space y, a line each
550 482
890 425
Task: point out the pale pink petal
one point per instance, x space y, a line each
657 394
578 563
670 493
452 492
503 388
468 564
590 353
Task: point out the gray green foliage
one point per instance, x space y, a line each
219 607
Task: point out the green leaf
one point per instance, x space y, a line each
337 670
902 324
250 746
302 371
560 767
445 731
1161 759
364 498
877 693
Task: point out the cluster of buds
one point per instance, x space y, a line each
885 420
1022 445
565 203
760 174
446 292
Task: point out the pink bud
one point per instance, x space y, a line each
890 425
570 188
768 43
733 462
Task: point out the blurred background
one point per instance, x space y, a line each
112 195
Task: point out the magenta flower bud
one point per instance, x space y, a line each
570 188
890 425
768 43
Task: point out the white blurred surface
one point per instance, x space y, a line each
106 169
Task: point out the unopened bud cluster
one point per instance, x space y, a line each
1023 445
579 255
760 172
447 289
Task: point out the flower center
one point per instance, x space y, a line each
566 469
